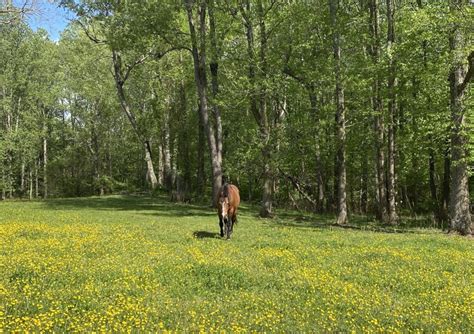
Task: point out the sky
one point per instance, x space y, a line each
47 15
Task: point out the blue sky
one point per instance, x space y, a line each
47 15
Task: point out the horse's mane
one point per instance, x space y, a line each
225 190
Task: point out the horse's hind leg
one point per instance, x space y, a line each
229 227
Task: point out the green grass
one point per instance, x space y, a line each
143 264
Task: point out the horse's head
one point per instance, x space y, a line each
224 208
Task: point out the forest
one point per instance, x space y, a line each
360 107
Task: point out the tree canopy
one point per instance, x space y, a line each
356 107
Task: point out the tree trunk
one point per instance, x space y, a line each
433 188
22 179
151 176
266 209
119 83
36 179
364 191
201 171
459 213
258 99
391 182
4 194
161 167
319 164
200 76
30 183
45 168
341 201
379 129
446 180
267 198
10 174
183 145
214 67
95 150
167 172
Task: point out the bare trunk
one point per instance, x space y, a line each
30 183
183 185
319 164
151 176
119 83
379 129
167 172
340 120
45 168
391 182
161 168
10 174
433 188
364 191
214 67
36 179
22 179
267 198
266 209
201 171
446 180
200 76
95 150
459 213
4 194
258 99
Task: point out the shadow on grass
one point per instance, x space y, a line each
356 222
161 206
206 234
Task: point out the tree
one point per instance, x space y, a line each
198 44
340 119
459 78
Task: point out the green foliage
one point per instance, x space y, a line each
65 92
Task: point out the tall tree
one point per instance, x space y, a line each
392 109
459 78
379 129
257 77
340 167
198 43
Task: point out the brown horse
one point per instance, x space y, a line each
228 201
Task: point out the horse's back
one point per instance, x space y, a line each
234 195
232 192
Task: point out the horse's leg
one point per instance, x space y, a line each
228 226
233 221
221 225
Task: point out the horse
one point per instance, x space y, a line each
228 201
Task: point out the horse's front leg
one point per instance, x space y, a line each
221 225
230 223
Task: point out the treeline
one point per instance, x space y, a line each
344 107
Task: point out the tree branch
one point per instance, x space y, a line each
89 35
298 187
468 76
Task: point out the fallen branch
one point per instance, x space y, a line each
298 187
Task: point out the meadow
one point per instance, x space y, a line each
140 264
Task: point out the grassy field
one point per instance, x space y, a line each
142 264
